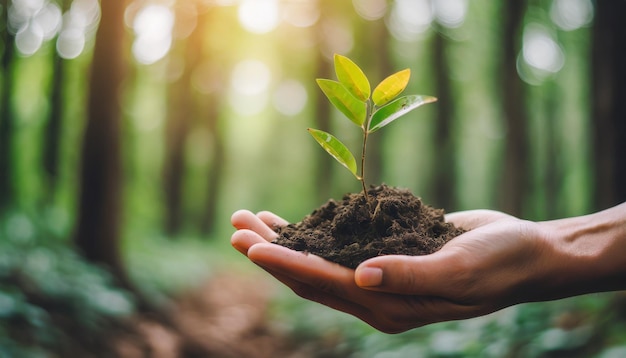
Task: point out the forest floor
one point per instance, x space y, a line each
226 317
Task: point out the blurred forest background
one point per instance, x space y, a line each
131 130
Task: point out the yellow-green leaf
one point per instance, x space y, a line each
391 87
345 102
352 77
396 109
336 149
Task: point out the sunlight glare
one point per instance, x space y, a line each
78 23
153 29
451 13
33 22
250 81
259 16
540 50
29 39
410 18
49 18
370 9
301 13
70 43
290 97
337 38
570 15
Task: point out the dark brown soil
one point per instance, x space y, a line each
350 231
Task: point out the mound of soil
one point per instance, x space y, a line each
350 231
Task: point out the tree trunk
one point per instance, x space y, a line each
100 200
218 162
7 188
444 164
324 168
609 103
52 132
514 179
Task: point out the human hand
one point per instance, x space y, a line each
501 261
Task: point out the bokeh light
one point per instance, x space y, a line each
570 15
450 13
29 39
410 18
250 81
301 13
259 16
79 23
153 27
370 9
290 97
33 22
540 50
541 56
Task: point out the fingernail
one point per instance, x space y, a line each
369 276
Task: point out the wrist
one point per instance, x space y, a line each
587 253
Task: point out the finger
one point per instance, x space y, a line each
313 294
272 220
314 271
318 280
472 219
429 275
243 239
244 219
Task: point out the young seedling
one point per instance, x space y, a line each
351 95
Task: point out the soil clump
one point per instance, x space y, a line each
348 232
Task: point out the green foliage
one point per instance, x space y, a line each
535 330
51 299
352 96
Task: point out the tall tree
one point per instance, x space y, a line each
515 169
324 169
180 111
444 165
7 116
52 133
608 56
210 107
218 163
100 201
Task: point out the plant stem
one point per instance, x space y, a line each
366 127
363 164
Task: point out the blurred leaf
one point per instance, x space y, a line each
336 149
341 98
391 87
396 109
352 77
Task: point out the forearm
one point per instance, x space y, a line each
587 253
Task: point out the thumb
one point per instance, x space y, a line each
428 275
472 219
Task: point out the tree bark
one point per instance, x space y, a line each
514 179
100 198
444 164
218 162
7 186
52 133
608 56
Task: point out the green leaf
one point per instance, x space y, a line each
336 149
396 109
391 87
352 77
341 98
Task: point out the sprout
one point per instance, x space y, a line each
371 111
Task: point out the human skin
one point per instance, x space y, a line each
501 261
